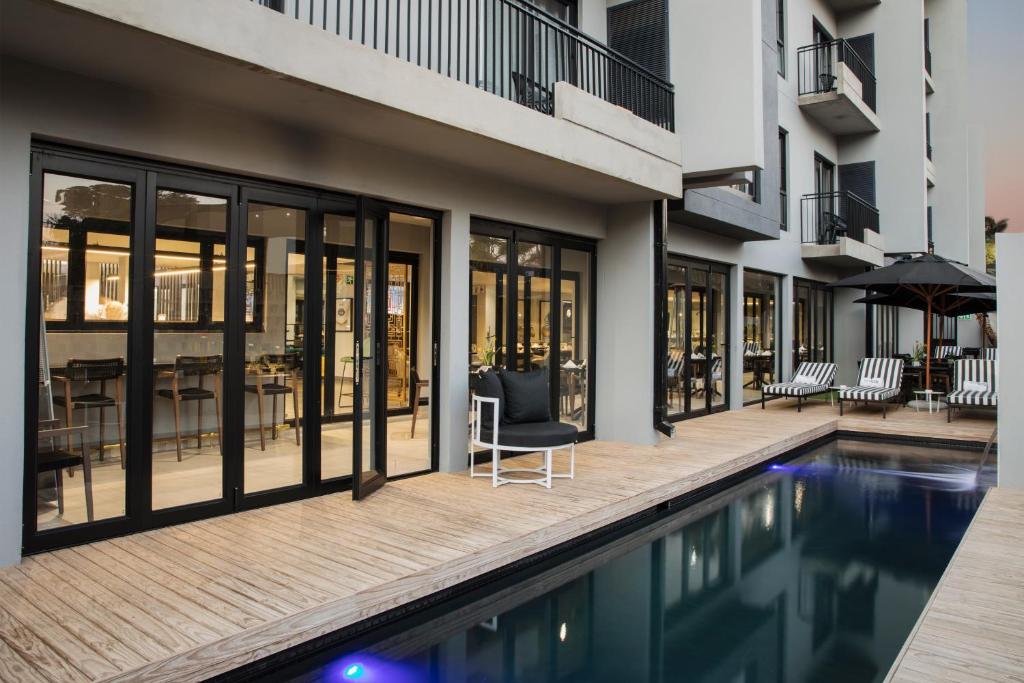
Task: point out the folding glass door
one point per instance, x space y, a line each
696 373
530 309
812 322
177 320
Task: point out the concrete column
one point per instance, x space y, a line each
14 184
624 391
784 308
453 393
1010 251
736 338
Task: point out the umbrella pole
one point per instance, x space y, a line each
928 348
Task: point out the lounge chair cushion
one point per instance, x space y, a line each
805 379
526 396
868 393
794 389
534 434
873 382
964 397
822 375
489 385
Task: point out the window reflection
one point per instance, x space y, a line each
81 448
760 360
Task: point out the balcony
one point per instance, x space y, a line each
486 86
841 229
837 88
507 48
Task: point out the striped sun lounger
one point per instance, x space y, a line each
941 352
878 381
981 389
815 378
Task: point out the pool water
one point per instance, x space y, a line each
814 570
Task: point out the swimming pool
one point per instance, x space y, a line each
816 569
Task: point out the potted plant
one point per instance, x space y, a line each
918 355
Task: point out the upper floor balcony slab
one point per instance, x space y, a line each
841 6
492 86
837 88
841 229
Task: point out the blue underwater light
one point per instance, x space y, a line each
353 672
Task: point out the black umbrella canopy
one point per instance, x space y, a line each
925 272
923 282
951 304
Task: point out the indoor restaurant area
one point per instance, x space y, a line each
96 229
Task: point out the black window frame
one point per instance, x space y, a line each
815 289
711 268
146 176
510 271
783 179
780 36
779 316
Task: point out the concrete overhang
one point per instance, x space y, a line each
842 111
929 172
929 83
848 252
236 54
840 6
715 210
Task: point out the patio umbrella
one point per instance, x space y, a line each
929 281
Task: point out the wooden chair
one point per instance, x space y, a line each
100 370
198 367
51 458
418 385
280 367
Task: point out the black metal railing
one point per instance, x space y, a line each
817 65
512 50
827 216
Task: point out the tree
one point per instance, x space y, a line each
992 226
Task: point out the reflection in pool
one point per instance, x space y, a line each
815 570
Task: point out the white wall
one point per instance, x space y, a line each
1010 247
715 63
625 327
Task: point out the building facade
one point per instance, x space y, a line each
377 199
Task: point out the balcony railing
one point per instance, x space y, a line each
827 216
816 64
509 49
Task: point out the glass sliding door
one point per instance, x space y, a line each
760 328
337 344
533 307
696 372
84 256
274 351
190 300
812 322
488 297
369 462
573 320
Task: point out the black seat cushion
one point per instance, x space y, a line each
488 385
526 396
270 388
187 394
534 434
92 400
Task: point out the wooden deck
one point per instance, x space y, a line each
973 626
191 601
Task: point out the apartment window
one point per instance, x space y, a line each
560 9
783 180
780 34
931 231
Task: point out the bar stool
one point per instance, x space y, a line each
100 370
281 366
199 367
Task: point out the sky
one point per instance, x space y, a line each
995 53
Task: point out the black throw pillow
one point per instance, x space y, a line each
526 396
488 385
